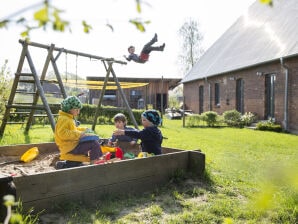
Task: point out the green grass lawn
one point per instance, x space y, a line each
251 177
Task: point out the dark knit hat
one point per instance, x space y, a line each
71 102
152 116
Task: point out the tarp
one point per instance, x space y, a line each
86 84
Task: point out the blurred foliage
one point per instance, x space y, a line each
5 86
47 15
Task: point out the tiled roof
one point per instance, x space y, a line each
261 35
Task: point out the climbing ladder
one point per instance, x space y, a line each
36 91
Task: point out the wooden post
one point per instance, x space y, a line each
161 100
102 94
124 99
40 91
183 116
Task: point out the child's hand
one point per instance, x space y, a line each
119 132
133 142
110 143
88 130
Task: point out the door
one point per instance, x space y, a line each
201 99
240 95
160 101
269 96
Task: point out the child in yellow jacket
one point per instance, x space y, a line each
68 134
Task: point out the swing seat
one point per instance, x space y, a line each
73 157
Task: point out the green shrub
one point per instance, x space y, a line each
248 118
106 114
210 117
193 120
87 113
232 118
268 126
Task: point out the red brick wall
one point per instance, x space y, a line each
254 91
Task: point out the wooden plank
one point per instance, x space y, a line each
93 182
128 188
90 182
196 162
18 150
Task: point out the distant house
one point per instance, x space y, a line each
144 92
252 67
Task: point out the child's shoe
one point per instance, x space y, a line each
154 38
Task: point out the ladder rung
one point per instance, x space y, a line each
50 81
23 92
26 81
41 81
19 113
14 122
23 106
24 74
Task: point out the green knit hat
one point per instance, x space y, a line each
152 116
71 102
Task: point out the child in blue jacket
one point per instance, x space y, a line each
151 137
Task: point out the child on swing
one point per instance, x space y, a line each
144 56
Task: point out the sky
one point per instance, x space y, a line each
166 17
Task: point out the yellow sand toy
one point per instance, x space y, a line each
145 154
29 155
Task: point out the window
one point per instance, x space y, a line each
110 95
216 94
135 94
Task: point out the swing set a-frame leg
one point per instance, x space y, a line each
111 70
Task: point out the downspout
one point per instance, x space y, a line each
209 93
286 110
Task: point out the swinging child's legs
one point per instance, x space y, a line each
148 47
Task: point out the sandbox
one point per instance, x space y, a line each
47 190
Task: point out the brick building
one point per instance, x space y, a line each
149 92
252 67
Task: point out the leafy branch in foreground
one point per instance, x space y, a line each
47 15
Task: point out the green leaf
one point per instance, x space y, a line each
268 2
138 6
86 27
25 33
42 16
139 25
58 24
3 23
21 20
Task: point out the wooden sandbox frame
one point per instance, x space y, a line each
45 191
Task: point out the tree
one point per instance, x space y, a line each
191 44
5 86
47 15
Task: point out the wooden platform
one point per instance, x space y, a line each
89 183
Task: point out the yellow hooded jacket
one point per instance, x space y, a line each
67 134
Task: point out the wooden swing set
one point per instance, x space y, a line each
37 91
